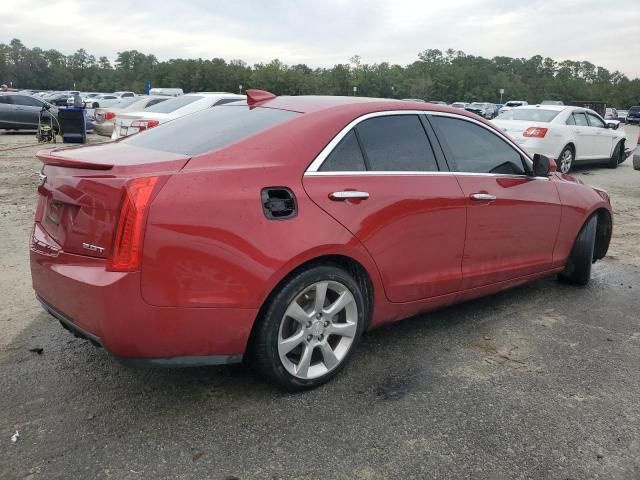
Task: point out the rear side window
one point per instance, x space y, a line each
174 104
6 99
571 120
27 101
396 143
472 148
346 157
208 129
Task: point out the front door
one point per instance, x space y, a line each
383 183
603 143
512 217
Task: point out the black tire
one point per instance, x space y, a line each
264 348
578 268
96 105
616 156
568 150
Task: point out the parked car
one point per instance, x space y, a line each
170 92
104 100
512 104
124 94
636 155
459 104
18 111
611 114
134 122
58 99
486 110
552 102
105 117
622 115
437 102
633 115
286 226
570 134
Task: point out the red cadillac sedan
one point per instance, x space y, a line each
280 228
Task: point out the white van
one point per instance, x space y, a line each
168 92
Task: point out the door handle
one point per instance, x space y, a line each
482 197
348 195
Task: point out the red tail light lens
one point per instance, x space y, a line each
127 247
108 115
535 132
144 124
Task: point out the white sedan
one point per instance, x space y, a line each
567 134
103 100
129 123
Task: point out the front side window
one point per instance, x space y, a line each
26 101
396 143
6 99
472 148
580 119
595 121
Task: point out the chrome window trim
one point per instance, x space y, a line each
393 173
313 168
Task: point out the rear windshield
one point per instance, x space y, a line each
209 129
174 104
529 114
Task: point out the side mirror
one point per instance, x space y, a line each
543 166
612 125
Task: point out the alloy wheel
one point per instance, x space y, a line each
317 330
566 159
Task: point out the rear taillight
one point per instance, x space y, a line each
108 115
127 247
535 132
144 124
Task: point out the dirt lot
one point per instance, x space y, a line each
540 382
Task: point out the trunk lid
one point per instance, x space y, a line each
122 124
81 192
516 128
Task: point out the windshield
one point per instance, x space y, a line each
174 104
209 129
634 109
529 114
478 105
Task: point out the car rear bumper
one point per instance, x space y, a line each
105 128
107 308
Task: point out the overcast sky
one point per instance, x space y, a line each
326 32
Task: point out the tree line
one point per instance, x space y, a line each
435 75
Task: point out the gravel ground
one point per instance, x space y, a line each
540 382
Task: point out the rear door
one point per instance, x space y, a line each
512 218
380 178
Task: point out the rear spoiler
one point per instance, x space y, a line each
48 158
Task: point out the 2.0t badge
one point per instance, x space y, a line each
93 248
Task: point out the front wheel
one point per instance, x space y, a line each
310 329
616 156
566 159
578 267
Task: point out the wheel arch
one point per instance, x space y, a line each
603 232
346 262
572 145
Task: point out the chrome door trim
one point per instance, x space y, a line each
315 165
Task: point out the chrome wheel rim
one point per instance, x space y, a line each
317 330
565 161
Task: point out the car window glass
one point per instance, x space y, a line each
154 101
396 143
346 157
224 125
595 121
222 101
580 119
475 149
571 120
26 101
6 99
174 103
